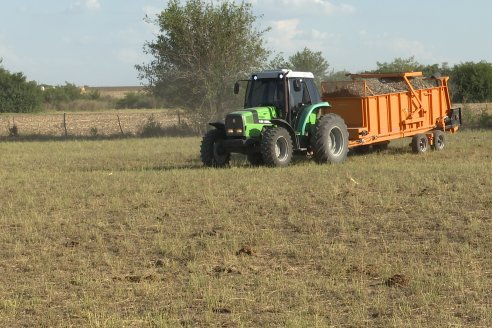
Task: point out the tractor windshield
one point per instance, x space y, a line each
265 92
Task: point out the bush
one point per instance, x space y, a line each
478 118
13 131
136 100
485 120
86 105
153 128
58 94
69 97
18 95
472 82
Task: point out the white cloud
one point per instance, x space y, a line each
284 34
311 7
287 36
92 4
406 48
324 6
320 35
78 7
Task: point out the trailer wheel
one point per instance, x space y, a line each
420 143
212 152
331 139
255 159
276 147
439 141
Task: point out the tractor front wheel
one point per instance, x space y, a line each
212 152
276 147
331 139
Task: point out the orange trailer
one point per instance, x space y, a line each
378 108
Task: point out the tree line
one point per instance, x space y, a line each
203 47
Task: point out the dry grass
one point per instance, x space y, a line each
135 233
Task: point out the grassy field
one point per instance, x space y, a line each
136 233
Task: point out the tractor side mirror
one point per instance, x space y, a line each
297 85
236 88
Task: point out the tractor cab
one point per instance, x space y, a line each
288 91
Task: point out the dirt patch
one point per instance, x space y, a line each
374 86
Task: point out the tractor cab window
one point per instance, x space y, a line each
299 96
265 92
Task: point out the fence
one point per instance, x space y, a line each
85 124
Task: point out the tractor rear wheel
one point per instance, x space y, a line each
439 140
276 147
212 152
331 140
420 143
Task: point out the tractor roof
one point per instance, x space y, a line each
275 74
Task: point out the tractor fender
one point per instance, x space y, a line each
284 124
219 126
304 119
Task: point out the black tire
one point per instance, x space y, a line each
420 143
439 140
276 147
331 140
211 151
380 146
255 159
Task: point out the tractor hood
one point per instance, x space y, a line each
250 121
256 115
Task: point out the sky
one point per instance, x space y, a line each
99 42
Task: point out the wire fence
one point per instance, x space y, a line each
86 124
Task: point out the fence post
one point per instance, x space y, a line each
119 123
65 123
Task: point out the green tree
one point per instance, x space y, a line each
278 62
436 69
310 61
472 82
339 76
399 65
201 50
17 95
62 93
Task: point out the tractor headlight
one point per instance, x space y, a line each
230 131
239 131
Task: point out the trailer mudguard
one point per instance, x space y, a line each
305 116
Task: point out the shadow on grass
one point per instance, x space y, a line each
49 138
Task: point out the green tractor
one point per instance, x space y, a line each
283 115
